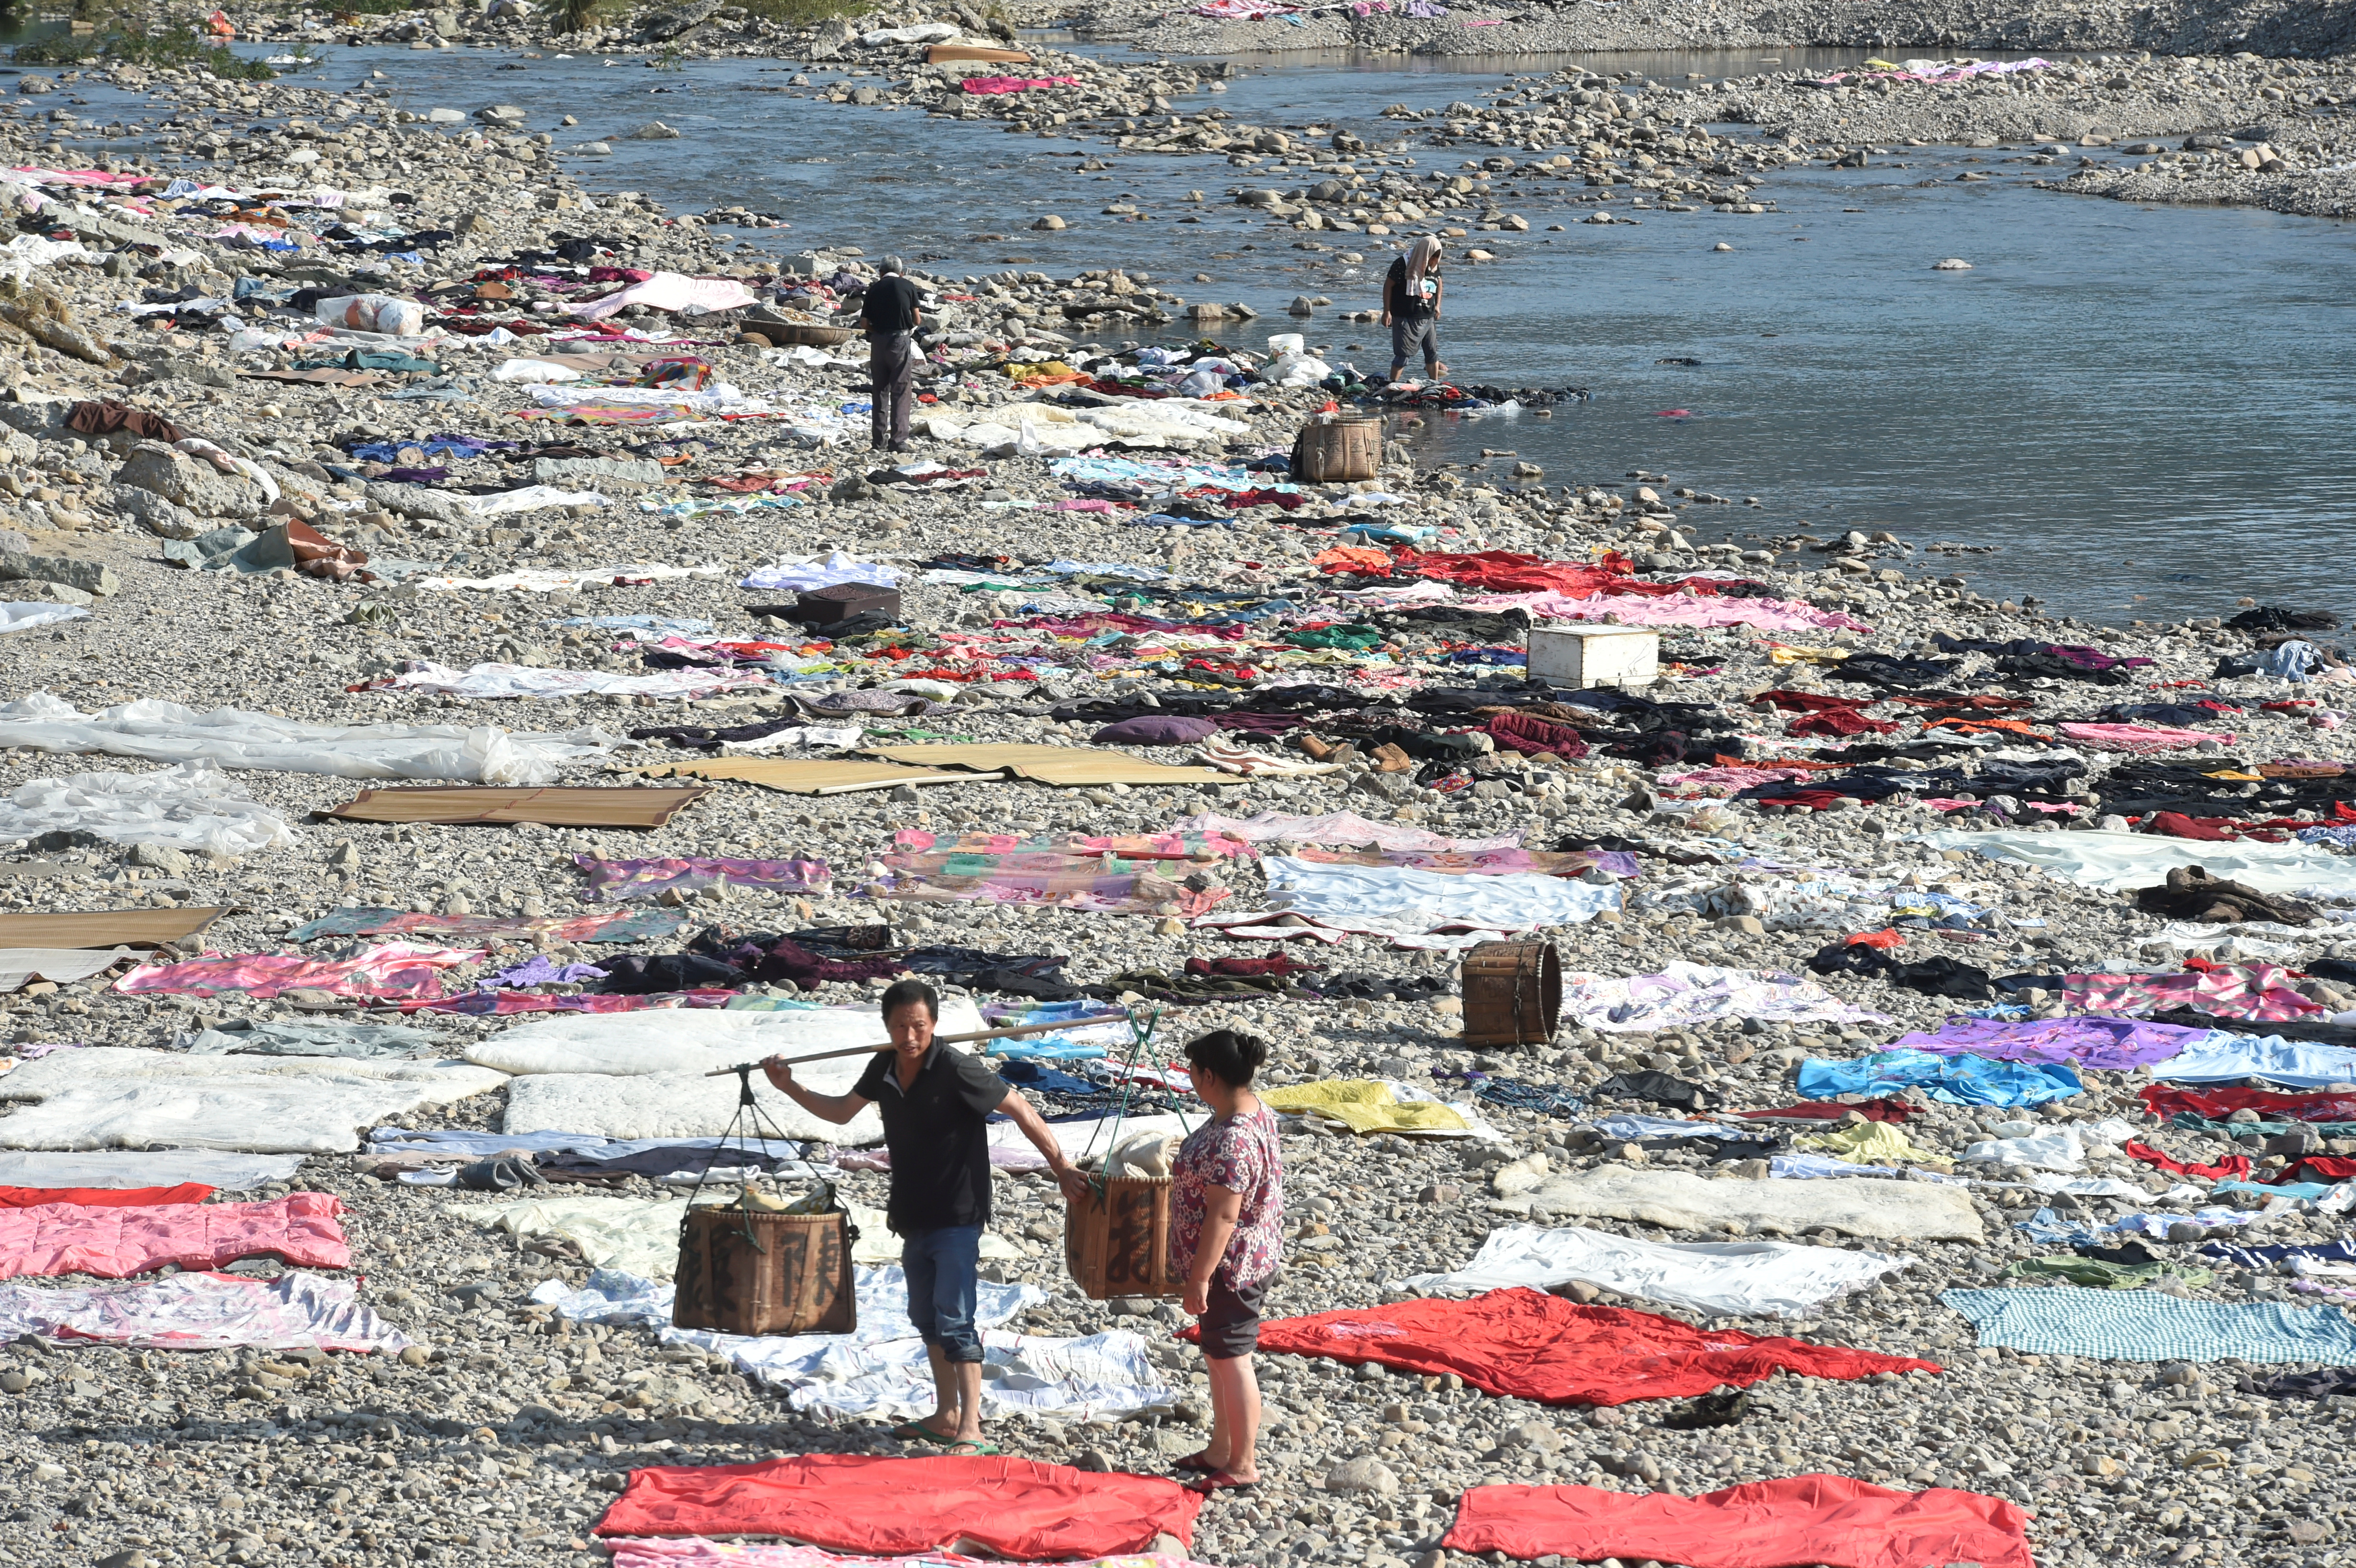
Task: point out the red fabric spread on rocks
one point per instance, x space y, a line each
1766 1524
852 1502
1531 735
115 1243
1534 1346
104 1197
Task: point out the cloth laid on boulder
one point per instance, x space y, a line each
1073 767
640 1075
1365 1105
2227 1058
1871 1143
401 969
1679 1200
167 732
113 1243
1685 994
2218 1105
105 928
879 1369
296 1311
699 1553
104 1197
2101 1274
245 1037
1738 1279
2300 1385
116 1096
1345 829
2115 862
2147 1326
1102 881
2191 893
603 807
1525 1344
619 882
1763 1524
600 925
192 805
816 775
1011 1507
2111 1045
20 966
1951 1080
2258 992
1410 902
146 1168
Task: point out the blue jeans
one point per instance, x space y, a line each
943 1270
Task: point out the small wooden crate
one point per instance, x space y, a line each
1117 1240
1513 993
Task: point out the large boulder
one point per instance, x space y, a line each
190 481
162 518
89 576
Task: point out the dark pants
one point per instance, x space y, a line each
1412 335
942 1268
892 378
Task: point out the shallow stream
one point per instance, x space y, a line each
2146 410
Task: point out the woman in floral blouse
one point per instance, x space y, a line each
1225 1206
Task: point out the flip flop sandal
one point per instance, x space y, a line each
972 1450
917 1432
1196 1462
1218 1481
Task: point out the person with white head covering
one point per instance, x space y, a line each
1411 299
890 318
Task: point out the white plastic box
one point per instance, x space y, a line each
1595 656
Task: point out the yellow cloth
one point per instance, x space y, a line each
1363 1105
1783 654
1872 1143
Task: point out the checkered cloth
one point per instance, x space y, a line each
2145 1326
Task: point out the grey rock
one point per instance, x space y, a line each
161 858
445 117
1362 1475
190 483
43 418
159 515
652 131
506 114
596 473
89 576
415 501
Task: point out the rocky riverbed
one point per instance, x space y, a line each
499 1437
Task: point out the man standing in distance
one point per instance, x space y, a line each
935 1103
890 318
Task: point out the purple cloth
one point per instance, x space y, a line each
2108 1044
538 970
1156 730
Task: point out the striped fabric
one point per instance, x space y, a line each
2145 1326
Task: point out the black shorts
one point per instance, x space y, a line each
1231 1326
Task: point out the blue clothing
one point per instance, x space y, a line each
943 1268
1952 1080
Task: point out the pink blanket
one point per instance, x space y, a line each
115 1243
2259 992
1670 610
985 84
2140 739
395 969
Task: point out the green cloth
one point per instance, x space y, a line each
372 359
1357 639
2096 1274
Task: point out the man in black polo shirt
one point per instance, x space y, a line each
891 318
935 1103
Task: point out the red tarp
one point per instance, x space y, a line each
1501 571
1534 1346
1799 1519
102 1197
115 1243
2235 1166
852 1502
2164 1099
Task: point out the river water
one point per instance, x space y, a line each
2146 410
